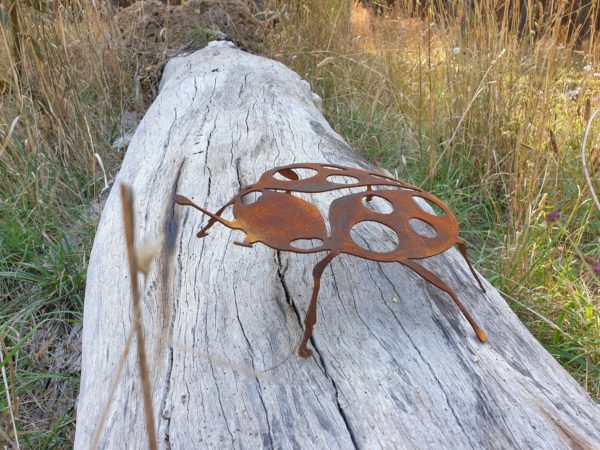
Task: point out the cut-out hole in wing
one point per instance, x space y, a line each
227 213
374 236
251 197
421 202
395 187
422 228
342 179
378 204
344 192
304 173
297 173
307 244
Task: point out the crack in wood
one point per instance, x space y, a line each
345 419
259 386
321 361
171 229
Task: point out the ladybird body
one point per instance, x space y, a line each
279 219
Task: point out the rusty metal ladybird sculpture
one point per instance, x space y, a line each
280 220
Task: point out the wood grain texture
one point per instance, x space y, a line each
396 365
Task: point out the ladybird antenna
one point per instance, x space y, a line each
204 231
184 201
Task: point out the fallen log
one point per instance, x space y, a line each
395 365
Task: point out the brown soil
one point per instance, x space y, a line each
156 32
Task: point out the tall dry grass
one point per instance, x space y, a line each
489 118
64 82
60 101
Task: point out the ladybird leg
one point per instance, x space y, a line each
244 243
204 231
181 200
311 315
436 281
463 250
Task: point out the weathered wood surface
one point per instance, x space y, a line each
396 365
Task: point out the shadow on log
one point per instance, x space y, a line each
395 365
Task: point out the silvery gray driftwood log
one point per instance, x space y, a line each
395 363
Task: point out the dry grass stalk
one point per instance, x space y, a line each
586 173
15 29
11 402
111 394
128 221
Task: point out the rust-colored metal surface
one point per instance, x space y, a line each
269 213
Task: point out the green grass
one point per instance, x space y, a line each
43 259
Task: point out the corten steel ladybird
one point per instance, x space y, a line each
282 220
